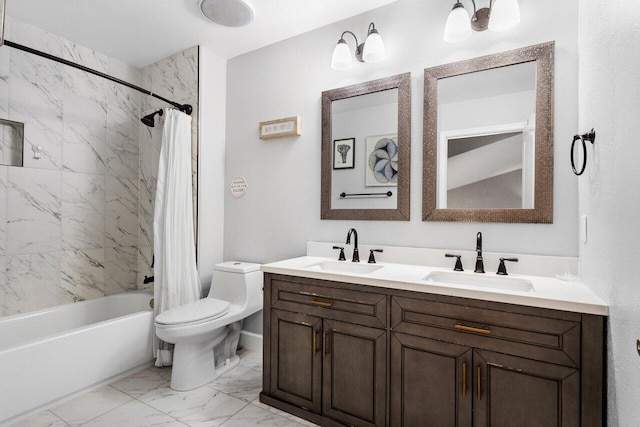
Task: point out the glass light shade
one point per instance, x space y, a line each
342 58
505 14
373 48
458 26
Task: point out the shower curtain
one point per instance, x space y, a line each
176 279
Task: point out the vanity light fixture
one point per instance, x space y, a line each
501 15
372 50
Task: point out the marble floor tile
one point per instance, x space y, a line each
251 359
241 382
144 381
134 414
198 408
251 415
282 413
90 405
43 419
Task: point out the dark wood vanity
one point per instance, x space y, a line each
342 354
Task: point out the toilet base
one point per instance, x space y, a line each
193 366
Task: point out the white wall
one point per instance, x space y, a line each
609 87
281 210
211 182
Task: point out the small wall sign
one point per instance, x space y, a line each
239 186
280 128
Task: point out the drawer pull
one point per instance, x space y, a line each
320 303
483 331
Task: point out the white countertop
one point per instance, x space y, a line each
548 292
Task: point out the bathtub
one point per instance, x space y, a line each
51 354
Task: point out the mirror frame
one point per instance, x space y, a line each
543 55
402 82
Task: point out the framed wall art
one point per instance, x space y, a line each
381 156
344 151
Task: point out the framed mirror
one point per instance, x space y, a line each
366 149
488 138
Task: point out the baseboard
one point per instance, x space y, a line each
250 341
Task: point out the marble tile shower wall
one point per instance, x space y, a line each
68 221
175 77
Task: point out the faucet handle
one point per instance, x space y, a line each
458 266
372 258
341 257
502 269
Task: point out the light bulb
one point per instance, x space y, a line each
373 48
505 14
341 59
458 26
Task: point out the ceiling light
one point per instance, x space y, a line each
229 13
372 50
499 16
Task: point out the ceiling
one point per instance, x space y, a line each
140 32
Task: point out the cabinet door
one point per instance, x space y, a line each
430 383
354 373
513 391
296 364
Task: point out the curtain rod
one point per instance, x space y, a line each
185 108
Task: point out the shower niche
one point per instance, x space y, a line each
11 143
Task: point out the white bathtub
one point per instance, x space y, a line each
50 354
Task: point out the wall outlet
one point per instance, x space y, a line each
583 229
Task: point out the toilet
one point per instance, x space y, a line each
206 332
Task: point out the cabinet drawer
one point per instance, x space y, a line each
510 332
318 298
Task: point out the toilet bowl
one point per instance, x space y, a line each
205 333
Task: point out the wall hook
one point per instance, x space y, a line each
590 137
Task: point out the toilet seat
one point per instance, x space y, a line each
200 311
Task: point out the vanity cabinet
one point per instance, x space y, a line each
327 351
344 354
500 364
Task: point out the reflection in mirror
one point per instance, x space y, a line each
486 144
488 148
366 150
370 161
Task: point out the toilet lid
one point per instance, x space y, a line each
197 311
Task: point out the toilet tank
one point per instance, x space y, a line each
239 283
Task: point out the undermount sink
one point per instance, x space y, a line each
481 281
344 267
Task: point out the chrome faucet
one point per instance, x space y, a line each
356 255
479 261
